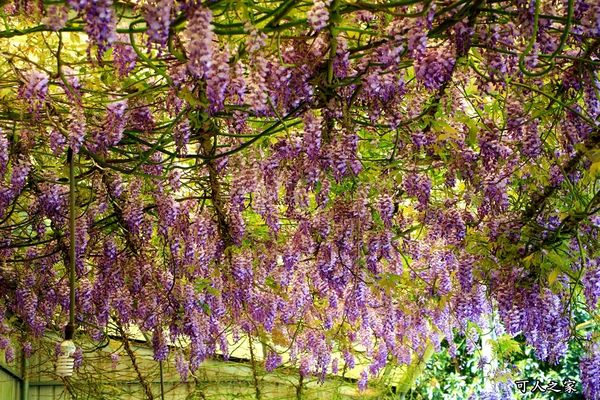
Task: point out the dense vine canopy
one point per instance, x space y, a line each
332 177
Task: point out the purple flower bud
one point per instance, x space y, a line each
217 80
78 357
589 370
9 355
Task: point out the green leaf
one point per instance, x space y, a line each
553 275
505 346
413 370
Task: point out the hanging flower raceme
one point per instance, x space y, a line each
124 56
435 68
318 16
199 35
157 14
100 25
34 90
77 130
4 151
590 368
56 17
217 80
115 122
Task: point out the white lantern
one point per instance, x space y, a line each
66 362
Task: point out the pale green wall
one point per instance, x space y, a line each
216 380
9 387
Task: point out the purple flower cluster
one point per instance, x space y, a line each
34 90
77 129
435 68
258 92
386 209
199 35
53 202
57 141
532 143
19 176
72 87
419 186
217 80
417 40
462 37
591 283
77 5
242 270
272 361
590 20
133 213
124 57
56 17
255 40
181 135
318 15
141 118
363 380
4 148
161 350
589 367
182 367
556 176
342 156
157 14
495 197
115 121
312 136
100 24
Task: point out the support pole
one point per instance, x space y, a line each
70 328
24 377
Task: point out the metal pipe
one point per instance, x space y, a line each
162 381
24 377
70 331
